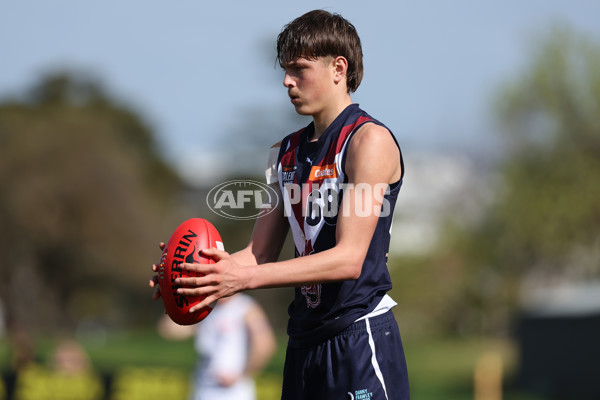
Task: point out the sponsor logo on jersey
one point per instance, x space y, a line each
320 172
363 394
287 174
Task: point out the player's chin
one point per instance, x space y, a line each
302 110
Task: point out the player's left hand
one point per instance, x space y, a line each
153 283
222 279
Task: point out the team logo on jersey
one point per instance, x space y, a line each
320 172
312 294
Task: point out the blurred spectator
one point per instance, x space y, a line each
22 350
68 376
70 358
233 343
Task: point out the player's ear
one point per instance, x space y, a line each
340 65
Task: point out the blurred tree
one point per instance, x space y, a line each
551 206
545 222
85 192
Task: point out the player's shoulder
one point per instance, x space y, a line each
373 146
373 135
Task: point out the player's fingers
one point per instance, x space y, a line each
156 295
196 281
199 268
153 281
214 253
196 290
161 245
204 303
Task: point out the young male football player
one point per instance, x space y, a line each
339 178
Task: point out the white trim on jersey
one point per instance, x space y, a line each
374 358
385 304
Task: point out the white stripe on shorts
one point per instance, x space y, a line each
374 358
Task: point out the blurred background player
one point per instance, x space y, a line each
234 343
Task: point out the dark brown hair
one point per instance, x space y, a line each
320 33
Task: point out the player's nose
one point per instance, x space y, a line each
287 80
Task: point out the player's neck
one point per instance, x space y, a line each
323 119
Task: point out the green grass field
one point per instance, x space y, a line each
438 368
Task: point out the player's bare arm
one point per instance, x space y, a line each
268 237
374 160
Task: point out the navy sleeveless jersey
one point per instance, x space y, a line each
312 179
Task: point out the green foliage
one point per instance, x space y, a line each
550 209
83 205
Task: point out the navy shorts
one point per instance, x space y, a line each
363 362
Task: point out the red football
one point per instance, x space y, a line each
184 246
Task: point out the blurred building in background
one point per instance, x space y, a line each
438 188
